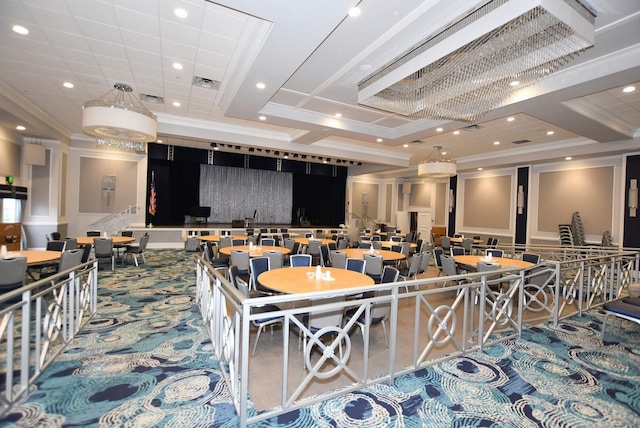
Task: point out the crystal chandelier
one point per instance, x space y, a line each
119 120
128 146
476 64
437 167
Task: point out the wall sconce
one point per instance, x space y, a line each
520 199
109 185
452 200
633 197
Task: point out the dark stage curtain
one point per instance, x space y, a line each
176 191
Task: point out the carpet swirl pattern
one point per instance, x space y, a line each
146 361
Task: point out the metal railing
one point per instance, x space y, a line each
484 311
364 221
115 222
37 322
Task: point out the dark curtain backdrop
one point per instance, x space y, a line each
319 190
631 238
176 191
319 199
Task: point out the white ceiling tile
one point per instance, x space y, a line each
216 43
113 63
223 21
144 42
81 69
143 71
50 62
79 56
393 122
102 32
137 22
66 40
177 51
107 49
97 11
150 59
151 86
180 34
15 10
213 59
48 18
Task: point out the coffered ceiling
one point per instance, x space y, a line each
310 56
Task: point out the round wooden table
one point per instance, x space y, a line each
328 235
470 263
216 238
295 280
458 241
358 253
389 244
305 241
36 257
257 251
117 240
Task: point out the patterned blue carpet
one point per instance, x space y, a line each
145 361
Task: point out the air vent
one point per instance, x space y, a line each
203 82
521 141
471 128
154 99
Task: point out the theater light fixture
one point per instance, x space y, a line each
119 120
452 200
471 66
633 197
520 199
437 167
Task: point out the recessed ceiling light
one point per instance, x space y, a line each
20 128
496 143
286 155
515 83
629 89
365 67
176 104
177 66
480 169
379 140
181 13
444 152
456 132
511 119
158 141
354 11
405 145
324 161
68 85
338 114
550 132
262 117
260 85
439 129
568 158
20 30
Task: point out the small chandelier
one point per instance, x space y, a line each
437 167
119 120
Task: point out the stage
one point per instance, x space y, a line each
174 236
